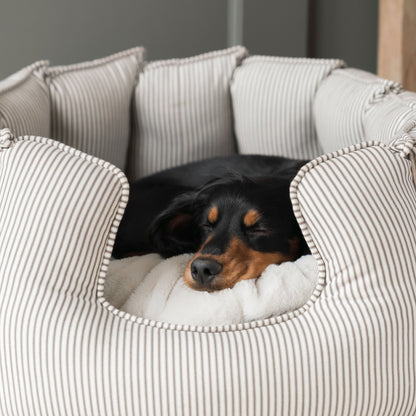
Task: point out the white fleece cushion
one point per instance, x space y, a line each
91 104
161 294
24 102
183 111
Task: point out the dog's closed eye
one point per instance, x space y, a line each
258 230
253 225
207 226
210 219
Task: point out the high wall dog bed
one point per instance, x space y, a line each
64 349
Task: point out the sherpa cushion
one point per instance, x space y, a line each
91 104
24 101
341 104
183 110
153 288
272 102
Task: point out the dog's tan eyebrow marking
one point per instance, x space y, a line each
213 215
251 217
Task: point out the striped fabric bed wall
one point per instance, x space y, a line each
64 350
91 104
393 116
24 101
342 102
183 109
272 101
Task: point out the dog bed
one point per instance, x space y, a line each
65 349
153 288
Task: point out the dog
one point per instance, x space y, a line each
234 212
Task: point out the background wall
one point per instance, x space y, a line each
345 29
69 31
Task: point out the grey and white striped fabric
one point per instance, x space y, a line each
24 101
64 350
91 104
342 102
272 102
392 117
183 109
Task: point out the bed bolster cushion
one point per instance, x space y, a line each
24 101
357 208
91 104
392 117
55 219
183 111
341 104
272 102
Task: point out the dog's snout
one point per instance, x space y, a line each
203 270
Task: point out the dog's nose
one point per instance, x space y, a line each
203 270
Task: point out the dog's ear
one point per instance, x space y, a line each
175 230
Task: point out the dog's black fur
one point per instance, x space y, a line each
168 213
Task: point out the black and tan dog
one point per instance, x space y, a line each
234 212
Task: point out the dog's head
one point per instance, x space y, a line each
237 226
